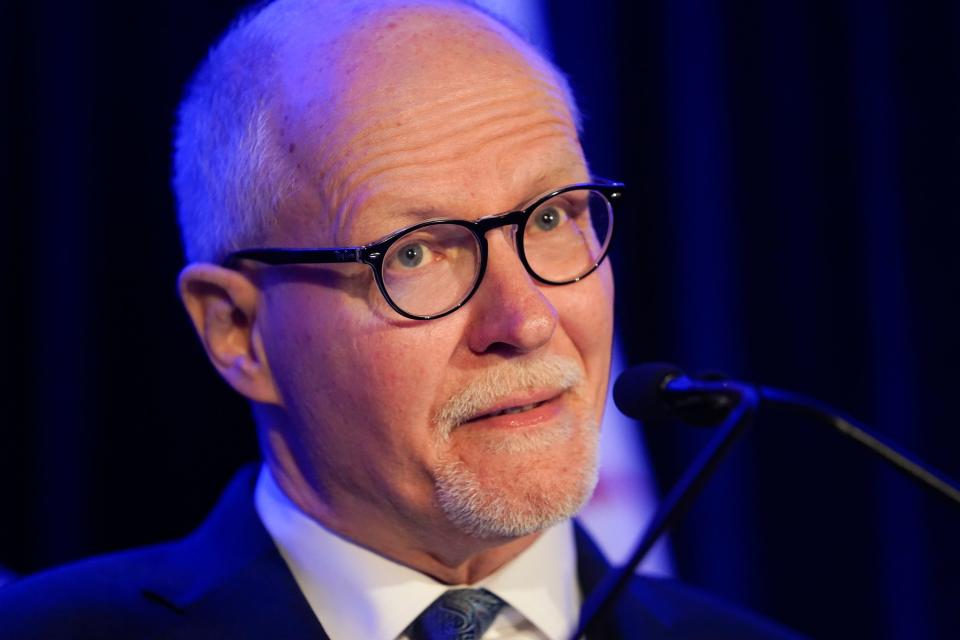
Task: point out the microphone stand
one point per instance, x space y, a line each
676 503
745 401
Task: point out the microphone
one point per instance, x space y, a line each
657 391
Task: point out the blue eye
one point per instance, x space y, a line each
549 218
411 255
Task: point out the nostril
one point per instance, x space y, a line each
504 349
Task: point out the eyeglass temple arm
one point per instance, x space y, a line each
296 256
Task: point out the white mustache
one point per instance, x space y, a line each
502 380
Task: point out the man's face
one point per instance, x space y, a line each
390 418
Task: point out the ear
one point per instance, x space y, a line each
222 303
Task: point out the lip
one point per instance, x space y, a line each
547 405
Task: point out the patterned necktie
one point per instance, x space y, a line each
459 614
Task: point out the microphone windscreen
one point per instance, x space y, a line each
637 391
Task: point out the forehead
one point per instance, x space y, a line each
427 111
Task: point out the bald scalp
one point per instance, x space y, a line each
267 93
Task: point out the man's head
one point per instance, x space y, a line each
356 119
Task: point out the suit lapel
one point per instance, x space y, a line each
230 579
633 616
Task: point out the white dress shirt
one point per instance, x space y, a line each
356 593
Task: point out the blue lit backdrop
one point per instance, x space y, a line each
793 220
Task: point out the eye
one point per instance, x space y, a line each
549 218
412 255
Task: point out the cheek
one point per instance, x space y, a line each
343 369
586 313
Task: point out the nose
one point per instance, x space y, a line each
510 312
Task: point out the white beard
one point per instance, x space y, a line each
520 502
515 507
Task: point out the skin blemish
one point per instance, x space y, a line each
292 147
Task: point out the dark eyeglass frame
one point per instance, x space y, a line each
373 253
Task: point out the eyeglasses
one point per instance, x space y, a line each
431 269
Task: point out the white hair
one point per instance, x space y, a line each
230 171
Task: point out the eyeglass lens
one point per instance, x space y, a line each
431 270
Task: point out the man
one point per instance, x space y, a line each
427 378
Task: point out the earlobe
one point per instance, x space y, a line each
222 303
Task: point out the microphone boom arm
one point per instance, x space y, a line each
799 404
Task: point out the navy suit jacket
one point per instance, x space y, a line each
227 580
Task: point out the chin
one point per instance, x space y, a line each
530 484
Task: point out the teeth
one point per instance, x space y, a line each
525 407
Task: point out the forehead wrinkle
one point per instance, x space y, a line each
383 162
380 122
404 139
349 207
488 130
452 104
459 118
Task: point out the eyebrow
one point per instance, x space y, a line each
544 182
400 218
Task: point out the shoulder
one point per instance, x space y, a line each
689 612
226 579
665 608
109 596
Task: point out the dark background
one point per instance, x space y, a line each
793 220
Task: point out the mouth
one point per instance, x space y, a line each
513 394
520 410
509 411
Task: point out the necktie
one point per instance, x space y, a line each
459 614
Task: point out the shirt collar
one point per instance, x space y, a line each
356 593
541 583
